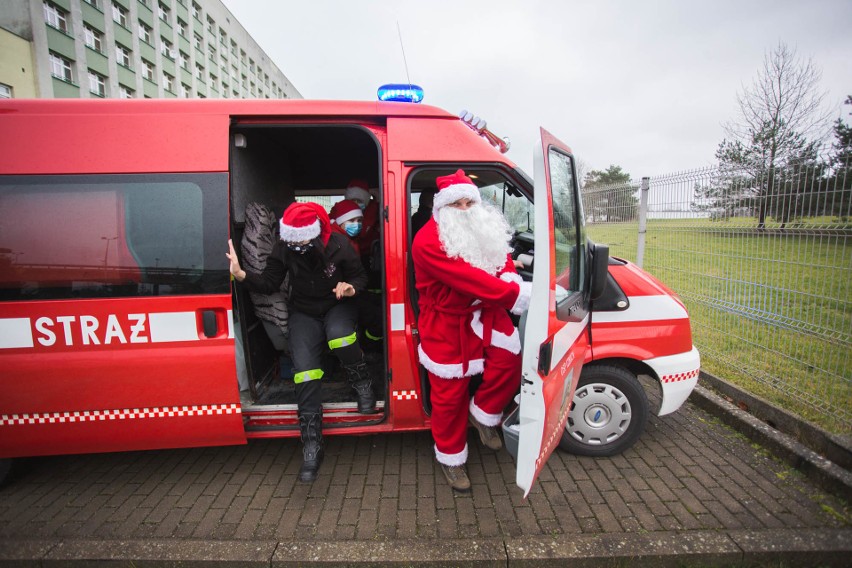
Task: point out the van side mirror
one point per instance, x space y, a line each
600 269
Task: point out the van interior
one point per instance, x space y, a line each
275 165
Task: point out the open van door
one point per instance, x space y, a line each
556 333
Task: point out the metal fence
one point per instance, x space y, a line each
762 257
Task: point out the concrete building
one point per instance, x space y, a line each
17 67
132 49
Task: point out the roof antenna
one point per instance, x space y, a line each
403 54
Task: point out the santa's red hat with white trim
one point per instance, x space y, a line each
358 190
345 210
453 187
305 222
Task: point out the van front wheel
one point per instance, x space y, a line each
608 413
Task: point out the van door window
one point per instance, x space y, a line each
570 245
96 236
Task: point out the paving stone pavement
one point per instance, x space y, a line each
687 473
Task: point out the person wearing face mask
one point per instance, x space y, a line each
327 276
359 191
370 249
347 218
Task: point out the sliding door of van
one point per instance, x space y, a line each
556 337
115 313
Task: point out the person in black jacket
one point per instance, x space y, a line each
326 274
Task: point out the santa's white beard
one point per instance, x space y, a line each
479 235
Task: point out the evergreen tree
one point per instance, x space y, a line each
610 195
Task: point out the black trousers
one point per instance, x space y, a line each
310 336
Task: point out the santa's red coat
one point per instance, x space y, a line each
462 308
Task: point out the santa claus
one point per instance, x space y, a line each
467 282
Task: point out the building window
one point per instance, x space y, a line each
164 12
93 38
125 92
198 41
184 60
122 55
211 48
223 38
61 68
55 17
119 15
196 11
182 28
147 69
199 72
146 3
233 47
213 79
5 91
97 84
166 48
185 90
251 65
168 82
95 3
145 32
211 25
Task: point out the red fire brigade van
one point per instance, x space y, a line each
121 329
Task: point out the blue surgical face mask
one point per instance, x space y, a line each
352 229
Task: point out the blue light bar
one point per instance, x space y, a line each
401 92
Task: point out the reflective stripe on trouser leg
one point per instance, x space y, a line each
372 337
449 399
339 342
309 375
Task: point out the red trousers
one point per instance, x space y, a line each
450 398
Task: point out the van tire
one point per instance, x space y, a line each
608 413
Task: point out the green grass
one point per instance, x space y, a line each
770 309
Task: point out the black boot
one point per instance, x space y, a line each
310 426
359 380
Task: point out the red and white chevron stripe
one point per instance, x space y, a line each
405 395
119 414
680 376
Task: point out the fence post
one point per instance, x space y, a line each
643 215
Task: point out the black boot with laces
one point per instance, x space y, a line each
310 426
359 380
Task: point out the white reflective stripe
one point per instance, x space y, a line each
565 338
644 308
173 326
397 317
230 324
15 333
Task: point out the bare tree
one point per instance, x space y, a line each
783 105
781 124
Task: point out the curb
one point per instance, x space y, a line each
786 547
834 447
823 472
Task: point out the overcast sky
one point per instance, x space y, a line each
643 84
